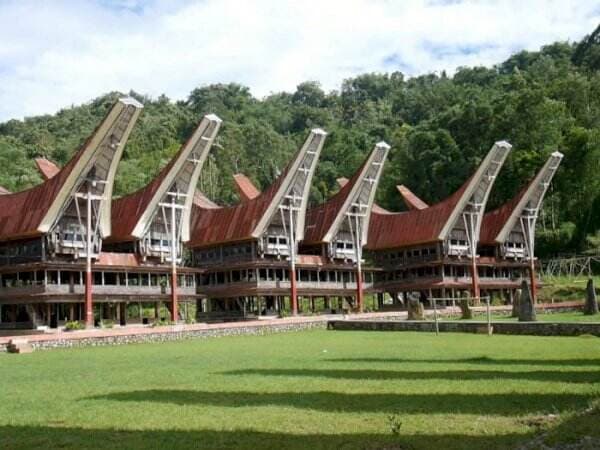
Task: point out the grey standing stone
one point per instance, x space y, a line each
515 305
526 306
465 309
415 310
591 303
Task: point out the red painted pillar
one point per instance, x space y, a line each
89 307
174 313
359 290
293 292
533 281
475 279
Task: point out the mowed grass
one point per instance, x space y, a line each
312 389
569 316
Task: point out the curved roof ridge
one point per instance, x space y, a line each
321 219
211 226
128 211
417 226
24 214
494 220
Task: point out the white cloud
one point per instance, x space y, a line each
53 54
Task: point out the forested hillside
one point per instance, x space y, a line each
439 128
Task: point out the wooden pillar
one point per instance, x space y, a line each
293 292
532 281
89 307
174 305
475 280
122 313
359 290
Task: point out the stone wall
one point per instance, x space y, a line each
162 336
523 328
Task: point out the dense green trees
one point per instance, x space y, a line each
440 127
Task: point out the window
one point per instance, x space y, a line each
272 240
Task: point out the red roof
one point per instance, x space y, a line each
493 221
410 199
203 201
46 167
246 189
418 226
375 208
320 218
128 210
211 226
22 213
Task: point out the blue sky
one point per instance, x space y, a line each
57 53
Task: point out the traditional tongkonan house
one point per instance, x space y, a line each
151 225
50 234
507 242
337 230
433 250
248 251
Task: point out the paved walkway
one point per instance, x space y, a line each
131 330
59 334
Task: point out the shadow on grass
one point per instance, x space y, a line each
458 375
571 430
504 404
484 360
29 437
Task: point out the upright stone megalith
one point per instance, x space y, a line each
591 303
526 306
515 303
465 309
415 310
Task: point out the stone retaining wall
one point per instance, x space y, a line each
162 336
523 328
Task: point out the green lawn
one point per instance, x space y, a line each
565 288
313 389
569 316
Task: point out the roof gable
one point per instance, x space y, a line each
34 211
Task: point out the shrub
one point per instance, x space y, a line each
162 323
74 325
107 324
394 424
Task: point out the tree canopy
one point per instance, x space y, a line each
440 128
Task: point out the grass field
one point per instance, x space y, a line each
566 316
313 389
565 288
